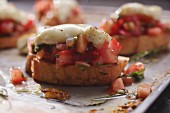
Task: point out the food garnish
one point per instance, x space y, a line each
136 71
54 93
152 54
16 76
143 90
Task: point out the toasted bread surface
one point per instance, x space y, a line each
8 41
131 45
73 75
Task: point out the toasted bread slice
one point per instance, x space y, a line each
73 75
131 45
8 41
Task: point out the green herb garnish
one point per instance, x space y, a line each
38 48
138 75
148 54
82 67
56 55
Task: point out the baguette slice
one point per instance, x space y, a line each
73 75
8 41
131 45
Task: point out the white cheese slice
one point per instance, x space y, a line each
59 34
8 11
137 8
64 8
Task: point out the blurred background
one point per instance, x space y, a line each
165 4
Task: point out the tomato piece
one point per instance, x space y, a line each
16 76
30 24
138 66
6 26
154 31
114 45
108 54
81 44
127 80
64 57
143 90
76 11
42 6
116 85
61 47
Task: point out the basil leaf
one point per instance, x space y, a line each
138 75
38 48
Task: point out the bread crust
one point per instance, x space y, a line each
131 45
73 75
29 58
11 41
8 41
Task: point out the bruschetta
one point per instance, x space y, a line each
55 12
137 28
13 24
71 54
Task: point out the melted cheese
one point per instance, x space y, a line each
64 8
8 11
59 34
137 8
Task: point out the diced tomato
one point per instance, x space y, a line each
127 80
114 45
138 66
41 54
143 90
81 44
116 85
42 6
76 11
108 54
138 25
6 26
16 76
61 47
30 24
154 31
64 57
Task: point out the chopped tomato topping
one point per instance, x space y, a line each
63 54
138 66
64 58
42 6
132 25
108 54
9 26
6 26
116 85
30 24
154 31
76 11
81 44
16 76
143 90
114 45
127 80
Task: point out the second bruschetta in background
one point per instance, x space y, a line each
55 12
13 24
72 54
137 28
